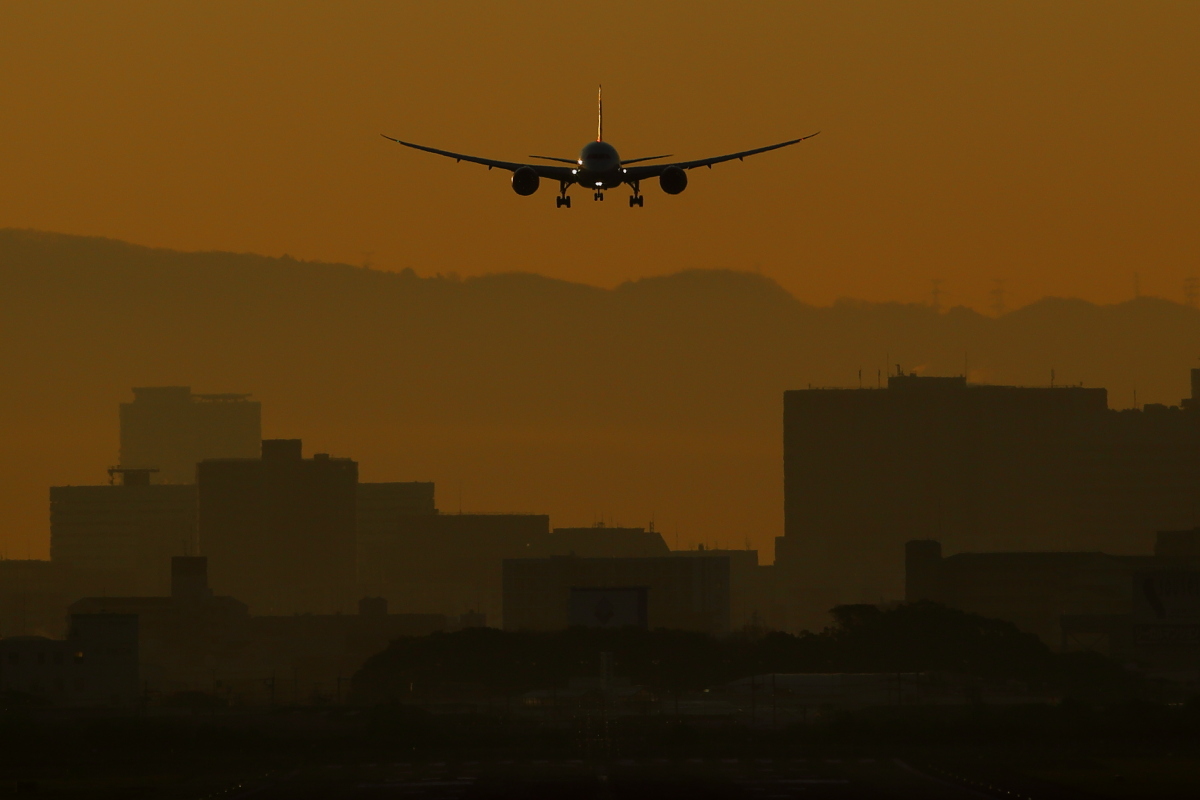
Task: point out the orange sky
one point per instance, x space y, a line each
1052 145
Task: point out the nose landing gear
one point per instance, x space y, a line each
599 195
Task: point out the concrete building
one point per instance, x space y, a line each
96 665
451 563
1143 608
604 541
34 596
279 531
122 535
679 593
169 429
193 640
752 596
979 467
380 508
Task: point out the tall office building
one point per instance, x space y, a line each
381 508
977 467
122 536
169 429
279 530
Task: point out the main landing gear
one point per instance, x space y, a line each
637 199
562 199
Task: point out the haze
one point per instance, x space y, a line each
1049 146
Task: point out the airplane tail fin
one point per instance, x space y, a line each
600 114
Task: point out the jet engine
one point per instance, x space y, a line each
525 181
673 180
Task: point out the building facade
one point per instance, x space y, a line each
679 593
978 467
170 429
280 531
122 535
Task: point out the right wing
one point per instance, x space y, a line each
641 173
543 171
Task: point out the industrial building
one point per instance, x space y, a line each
121 536
279 531
169 429
547 594
1144 609
980 468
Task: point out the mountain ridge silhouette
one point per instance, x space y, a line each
661 395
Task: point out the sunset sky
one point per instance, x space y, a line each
1053 146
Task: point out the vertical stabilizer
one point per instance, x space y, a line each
600 114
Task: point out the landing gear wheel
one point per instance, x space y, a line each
637 200
559 202
598 195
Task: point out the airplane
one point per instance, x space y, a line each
599 167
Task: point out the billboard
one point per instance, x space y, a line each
608 608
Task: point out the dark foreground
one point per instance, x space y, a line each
1068 750
967 774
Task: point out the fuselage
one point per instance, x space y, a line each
599 166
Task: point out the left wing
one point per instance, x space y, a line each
641 173
543 171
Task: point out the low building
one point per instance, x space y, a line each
96 665
195 641
1140 608
540 594
605 541
451 563
752 598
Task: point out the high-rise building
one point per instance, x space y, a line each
380 510
169 429
122 534
977 467
279 530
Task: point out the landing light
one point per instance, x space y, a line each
599 183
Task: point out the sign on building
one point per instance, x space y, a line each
608 608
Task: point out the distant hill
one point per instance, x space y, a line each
513 392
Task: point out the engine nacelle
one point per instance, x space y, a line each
525 181
673 180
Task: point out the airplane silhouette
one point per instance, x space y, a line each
599 167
